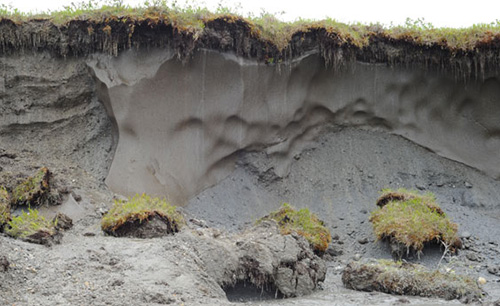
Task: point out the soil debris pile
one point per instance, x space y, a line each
143 217
409 279
261 257
410 220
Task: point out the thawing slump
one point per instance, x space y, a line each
181 125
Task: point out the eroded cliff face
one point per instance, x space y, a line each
181 126
50 108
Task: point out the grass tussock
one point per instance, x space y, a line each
411 219
30 223
403 278
304 223
4 207
140 208
33 190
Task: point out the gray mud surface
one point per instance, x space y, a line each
338 177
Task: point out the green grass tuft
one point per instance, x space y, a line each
139 208
33 189
302 222
30 223
4 207
411 219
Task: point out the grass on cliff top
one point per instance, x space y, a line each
192 17
412 219
30 223
140 207
302 222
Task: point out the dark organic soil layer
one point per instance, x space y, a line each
113 35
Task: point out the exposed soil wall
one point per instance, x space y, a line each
49 107
180 125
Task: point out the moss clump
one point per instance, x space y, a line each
409 279
34 190
4 207
31 226
410 219
304 223
139 210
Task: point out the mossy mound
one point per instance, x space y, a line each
409 279
142 216
4 207
411 220
32 227
33 191
304 223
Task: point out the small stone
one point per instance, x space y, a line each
357 257
474 257
334 250
466 235
468 185
63 222
4 264
335 237
363 211
481 280
440 184
297 157
494 270
363 240
370 176
420 187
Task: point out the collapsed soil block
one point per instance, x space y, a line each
34 191
30 226
403 278
410 220
4 207
304 223
142 217
278 266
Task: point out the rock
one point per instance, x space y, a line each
495 270
468 185
76 196
62 222
420 187
334 250
481 280
357 257
363 240
370 176
439 184
474 257
4 264
465 235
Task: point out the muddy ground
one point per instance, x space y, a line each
338 177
